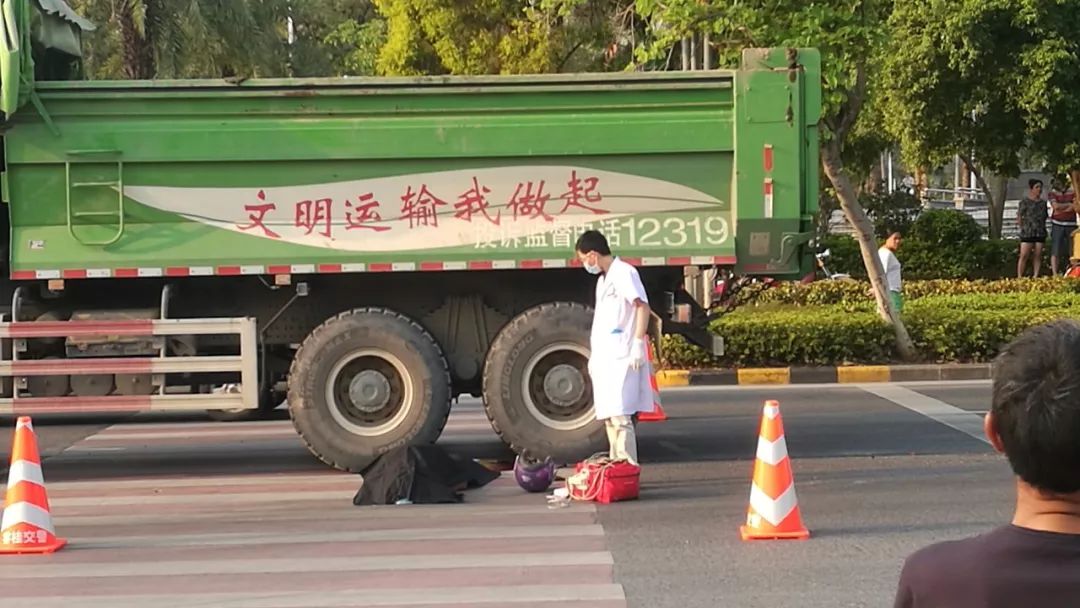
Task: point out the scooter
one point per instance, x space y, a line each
830 276
731 291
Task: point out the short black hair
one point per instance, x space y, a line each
592 240
1034 182
1036 405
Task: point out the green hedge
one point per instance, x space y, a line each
827 293
966 325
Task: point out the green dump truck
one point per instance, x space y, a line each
367 250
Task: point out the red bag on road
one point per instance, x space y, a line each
604 481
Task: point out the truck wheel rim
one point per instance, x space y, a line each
556 387
369 392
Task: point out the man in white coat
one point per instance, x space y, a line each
618 364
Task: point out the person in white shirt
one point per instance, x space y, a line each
891 265
618 363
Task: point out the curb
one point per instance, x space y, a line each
847 374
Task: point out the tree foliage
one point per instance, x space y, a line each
1045 83
497 36
952 71
851 35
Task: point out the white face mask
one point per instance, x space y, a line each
592 269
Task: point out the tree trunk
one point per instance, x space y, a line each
137 52
864 232
999 185
995 194
922 182
873 182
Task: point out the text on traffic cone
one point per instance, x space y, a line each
27 525
774 508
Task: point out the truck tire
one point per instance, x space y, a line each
537 391
365 382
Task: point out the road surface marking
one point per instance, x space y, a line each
951 416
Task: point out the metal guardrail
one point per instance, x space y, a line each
978 210
246 364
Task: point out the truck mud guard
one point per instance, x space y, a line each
15 336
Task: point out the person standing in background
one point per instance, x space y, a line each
1062 223
1031 216
891 265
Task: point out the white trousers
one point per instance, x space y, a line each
621 439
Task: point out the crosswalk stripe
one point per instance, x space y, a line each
377 549
267 566
360 536
556 595
279 538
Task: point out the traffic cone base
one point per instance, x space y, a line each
26 543
748 534
26 526
773 513
793 522
657 414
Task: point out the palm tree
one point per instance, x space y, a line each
188 38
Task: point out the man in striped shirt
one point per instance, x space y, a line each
1062 223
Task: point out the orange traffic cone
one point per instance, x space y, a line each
774 509
657 414
27 523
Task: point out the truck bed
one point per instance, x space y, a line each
355 175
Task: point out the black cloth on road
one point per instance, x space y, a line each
424 474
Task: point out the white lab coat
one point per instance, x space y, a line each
618 390
891 266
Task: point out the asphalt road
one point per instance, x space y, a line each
875 482
880 471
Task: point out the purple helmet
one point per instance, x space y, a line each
534 475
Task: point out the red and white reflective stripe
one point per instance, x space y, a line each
768 157
52 329
768 197
121 403
302 269
119 365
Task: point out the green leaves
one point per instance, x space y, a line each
852 295
498 36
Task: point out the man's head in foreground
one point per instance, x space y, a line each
1035 416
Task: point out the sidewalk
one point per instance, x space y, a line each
853 374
